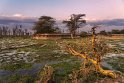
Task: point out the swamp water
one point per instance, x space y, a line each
30 61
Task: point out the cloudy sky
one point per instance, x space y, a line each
61 9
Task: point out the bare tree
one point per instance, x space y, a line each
0 32
93 53
4 31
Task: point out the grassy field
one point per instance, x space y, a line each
24 64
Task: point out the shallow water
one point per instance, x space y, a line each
15 56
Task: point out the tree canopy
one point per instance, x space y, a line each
45 24
74 22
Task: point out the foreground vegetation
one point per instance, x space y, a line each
26 64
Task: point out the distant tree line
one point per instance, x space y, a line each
114 31
103 32
15 31
47 24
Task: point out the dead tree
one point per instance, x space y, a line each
4 31
96 56
0 32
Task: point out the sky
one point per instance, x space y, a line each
62 9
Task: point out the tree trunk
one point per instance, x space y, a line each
72 36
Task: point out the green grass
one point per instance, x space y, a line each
62 63
13 67
16 78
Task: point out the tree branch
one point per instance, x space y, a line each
96 64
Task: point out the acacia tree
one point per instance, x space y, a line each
45 24
92 51
74 22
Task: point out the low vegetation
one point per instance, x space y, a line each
26 64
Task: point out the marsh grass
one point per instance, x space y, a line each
63 63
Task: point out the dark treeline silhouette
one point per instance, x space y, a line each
46 24
6 31
114 31
103 32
